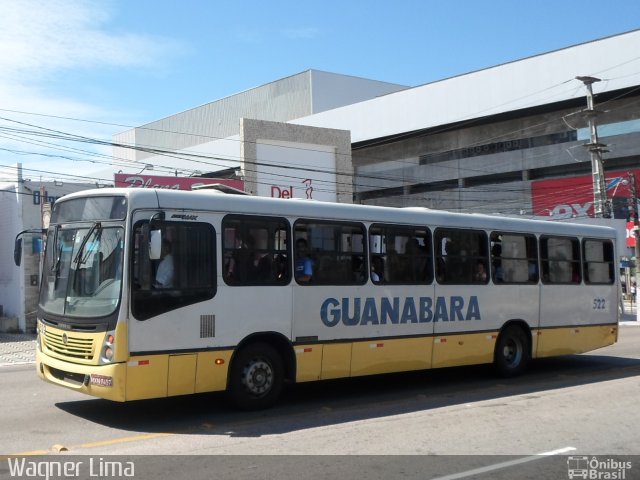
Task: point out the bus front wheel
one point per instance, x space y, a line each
512 353
256 377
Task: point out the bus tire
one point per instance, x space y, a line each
512 353
257 376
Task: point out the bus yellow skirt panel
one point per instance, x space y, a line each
212 370
570 340
466 349
386 356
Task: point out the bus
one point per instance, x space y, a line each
156 293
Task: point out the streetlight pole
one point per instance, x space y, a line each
600 204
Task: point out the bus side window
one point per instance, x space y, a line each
255 250
560 257
462 256
329 252
193 252
400 255
514 258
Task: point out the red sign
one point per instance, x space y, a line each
631 235
573 197
126 180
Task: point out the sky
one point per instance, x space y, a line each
75 72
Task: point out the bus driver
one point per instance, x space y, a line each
304 264
164 274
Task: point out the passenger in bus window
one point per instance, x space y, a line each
377 269
575 274
457 269
413 266
393 264
441 262
164 274
533 272
241 267
304 263
480 274
245 260
496 254
281 268
357 263
263 265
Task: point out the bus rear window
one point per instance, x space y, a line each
560 259
599 264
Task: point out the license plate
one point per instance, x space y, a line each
101 380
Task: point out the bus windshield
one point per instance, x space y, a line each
82 272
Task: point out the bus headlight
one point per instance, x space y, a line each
108 353
108 348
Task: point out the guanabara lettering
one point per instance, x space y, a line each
398 310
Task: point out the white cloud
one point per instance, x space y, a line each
37 37
42 39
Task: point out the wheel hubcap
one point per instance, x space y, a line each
257 377
512 352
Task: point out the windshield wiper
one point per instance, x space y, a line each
55 267
81 259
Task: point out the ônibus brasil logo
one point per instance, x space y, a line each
595 468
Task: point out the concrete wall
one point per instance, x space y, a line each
300 147
295 96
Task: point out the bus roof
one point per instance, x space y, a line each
216 201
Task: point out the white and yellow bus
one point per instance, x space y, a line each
155 293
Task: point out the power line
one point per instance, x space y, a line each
58 135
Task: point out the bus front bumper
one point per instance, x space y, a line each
103 381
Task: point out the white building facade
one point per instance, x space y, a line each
24 204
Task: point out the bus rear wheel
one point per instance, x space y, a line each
512 353
256 377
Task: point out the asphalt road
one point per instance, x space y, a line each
574 405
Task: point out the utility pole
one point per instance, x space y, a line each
636 231
600 204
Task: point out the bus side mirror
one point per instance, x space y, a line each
155 236
155 244
17 252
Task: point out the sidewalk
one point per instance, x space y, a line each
17 348
629 315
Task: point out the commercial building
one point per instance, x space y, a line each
478 142
508 139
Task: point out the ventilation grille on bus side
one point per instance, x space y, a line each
207 326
